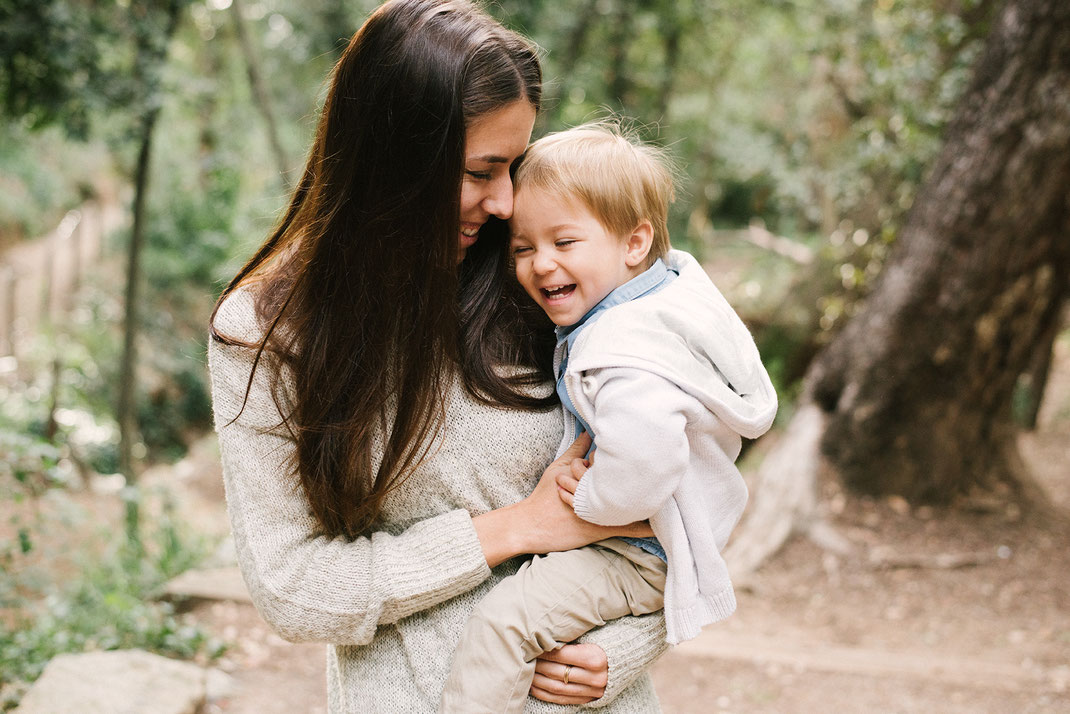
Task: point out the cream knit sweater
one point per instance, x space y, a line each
391 606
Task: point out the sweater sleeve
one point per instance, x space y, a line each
632 644
639 420
310 587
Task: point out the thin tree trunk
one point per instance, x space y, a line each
128 367
618 79
571 53
150 56
672 30
261 97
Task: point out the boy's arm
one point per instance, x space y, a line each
639 422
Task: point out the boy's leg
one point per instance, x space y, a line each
550 601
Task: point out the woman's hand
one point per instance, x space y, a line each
585 667
542 522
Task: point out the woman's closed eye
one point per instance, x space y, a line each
478 175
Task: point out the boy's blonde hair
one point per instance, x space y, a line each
620 180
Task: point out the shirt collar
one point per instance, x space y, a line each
647 281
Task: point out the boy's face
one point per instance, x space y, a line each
565 258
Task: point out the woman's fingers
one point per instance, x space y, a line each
589 657
550 692
568 479
583 685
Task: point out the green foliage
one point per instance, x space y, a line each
818 119
42 175
67 585
107 603
53 69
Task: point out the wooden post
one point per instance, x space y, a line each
77 241
47 277
9 281
99 230
51 427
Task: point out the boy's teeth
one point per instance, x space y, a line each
552 292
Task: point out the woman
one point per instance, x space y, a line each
378 392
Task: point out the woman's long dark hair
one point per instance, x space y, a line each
358 289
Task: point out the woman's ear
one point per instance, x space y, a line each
637 245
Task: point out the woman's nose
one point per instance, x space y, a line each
499 202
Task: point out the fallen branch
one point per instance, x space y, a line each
885 559
760 236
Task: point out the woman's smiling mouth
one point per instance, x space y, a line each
470 231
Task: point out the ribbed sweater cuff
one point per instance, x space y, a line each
631 645
686 624
451 538
581 501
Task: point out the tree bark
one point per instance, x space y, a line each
915 393
918 386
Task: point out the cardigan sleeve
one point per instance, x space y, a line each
639 420
310 587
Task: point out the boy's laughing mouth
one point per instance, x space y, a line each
558 292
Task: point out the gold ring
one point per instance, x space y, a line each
568 671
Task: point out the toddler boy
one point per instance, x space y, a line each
657 367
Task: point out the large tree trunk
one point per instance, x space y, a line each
918 387
916 390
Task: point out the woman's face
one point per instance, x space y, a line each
492 143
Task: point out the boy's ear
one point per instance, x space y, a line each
638 244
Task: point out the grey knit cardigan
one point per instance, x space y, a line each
390 606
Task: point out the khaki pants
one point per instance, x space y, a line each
552 600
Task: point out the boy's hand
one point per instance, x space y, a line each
569 480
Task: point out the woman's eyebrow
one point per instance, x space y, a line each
490 159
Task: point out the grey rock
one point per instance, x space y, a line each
119 682
209 584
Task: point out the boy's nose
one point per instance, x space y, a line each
543 263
